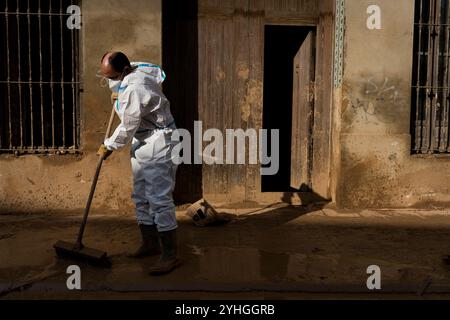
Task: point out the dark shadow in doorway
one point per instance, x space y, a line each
281 44
180 62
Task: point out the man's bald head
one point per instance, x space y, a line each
115 65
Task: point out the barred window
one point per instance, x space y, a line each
39 77
430 86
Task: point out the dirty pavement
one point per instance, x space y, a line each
280 251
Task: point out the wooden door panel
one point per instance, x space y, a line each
302 114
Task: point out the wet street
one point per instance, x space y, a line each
281 251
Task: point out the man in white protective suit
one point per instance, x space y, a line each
146 122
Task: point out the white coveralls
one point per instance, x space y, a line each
146 120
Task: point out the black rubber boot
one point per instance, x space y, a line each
150 242
168 260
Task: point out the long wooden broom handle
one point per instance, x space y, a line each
79 243
110 123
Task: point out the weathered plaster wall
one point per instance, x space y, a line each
63 182
373 161
377 169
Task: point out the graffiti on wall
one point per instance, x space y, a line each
374 101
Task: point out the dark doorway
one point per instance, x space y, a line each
180 62
281 45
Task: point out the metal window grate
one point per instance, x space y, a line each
431 86
39 77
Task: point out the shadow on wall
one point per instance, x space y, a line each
306 196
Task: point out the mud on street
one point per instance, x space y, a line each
279 251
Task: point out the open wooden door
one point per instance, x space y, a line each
303 115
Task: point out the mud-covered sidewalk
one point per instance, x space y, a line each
279 251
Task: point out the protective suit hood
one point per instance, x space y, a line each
145 73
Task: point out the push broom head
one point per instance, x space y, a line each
91 256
